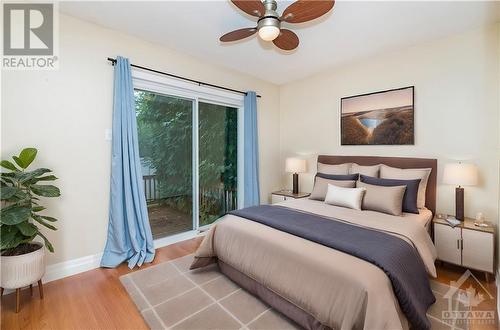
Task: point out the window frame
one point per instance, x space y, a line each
169 86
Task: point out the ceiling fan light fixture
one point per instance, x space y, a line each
269 33
269 21
269 28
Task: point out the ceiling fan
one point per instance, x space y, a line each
269 22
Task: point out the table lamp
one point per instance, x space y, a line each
295 166
462 175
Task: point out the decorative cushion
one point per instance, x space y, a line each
383 199
339 176
321 187
334 169
365 170
345 197
387 172
410 195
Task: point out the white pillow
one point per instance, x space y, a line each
341 169
345 197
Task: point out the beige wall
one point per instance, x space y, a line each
456 111
64 114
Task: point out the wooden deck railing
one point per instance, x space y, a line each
208 197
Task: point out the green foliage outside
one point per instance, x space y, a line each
165 131
21 216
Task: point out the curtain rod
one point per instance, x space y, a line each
200 83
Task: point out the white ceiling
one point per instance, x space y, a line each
353 30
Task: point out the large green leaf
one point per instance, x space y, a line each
45 190
8 192
39 219
12 237
19 162
8 165
8 235
27 156
45 178
21 195
47 243
31 177
15 215
27 229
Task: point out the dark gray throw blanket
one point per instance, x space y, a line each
398 259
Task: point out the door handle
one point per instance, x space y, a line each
462 244
458 244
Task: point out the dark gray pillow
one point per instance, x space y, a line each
351 177
410 195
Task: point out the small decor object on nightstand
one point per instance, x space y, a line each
295 166
462 175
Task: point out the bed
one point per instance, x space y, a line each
315 285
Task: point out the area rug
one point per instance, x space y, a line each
170 296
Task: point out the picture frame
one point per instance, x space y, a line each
380 118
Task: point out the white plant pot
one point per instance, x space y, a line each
23 270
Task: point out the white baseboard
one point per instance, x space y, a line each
71 267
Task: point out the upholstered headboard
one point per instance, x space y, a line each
430 194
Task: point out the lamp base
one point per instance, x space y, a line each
459 203
295 189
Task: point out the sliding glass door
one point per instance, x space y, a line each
165 130
218 161
189 157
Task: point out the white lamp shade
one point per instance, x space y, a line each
296 165
460 174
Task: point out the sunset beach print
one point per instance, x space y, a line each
380 118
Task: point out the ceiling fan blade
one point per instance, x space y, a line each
287 40
306 10
238 34
251 7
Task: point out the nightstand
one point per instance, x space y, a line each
283 195
466 244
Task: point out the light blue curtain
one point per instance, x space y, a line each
251 194
129 232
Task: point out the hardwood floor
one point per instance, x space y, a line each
97 300
90 300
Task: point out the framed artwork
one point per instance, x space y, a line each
380 118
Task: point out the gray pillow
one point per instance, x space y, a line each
365 170
383 199
410 196
321 187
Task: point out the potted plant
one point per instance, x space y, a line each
22 259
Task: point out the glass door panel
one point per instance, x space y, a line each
165 130
218 161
